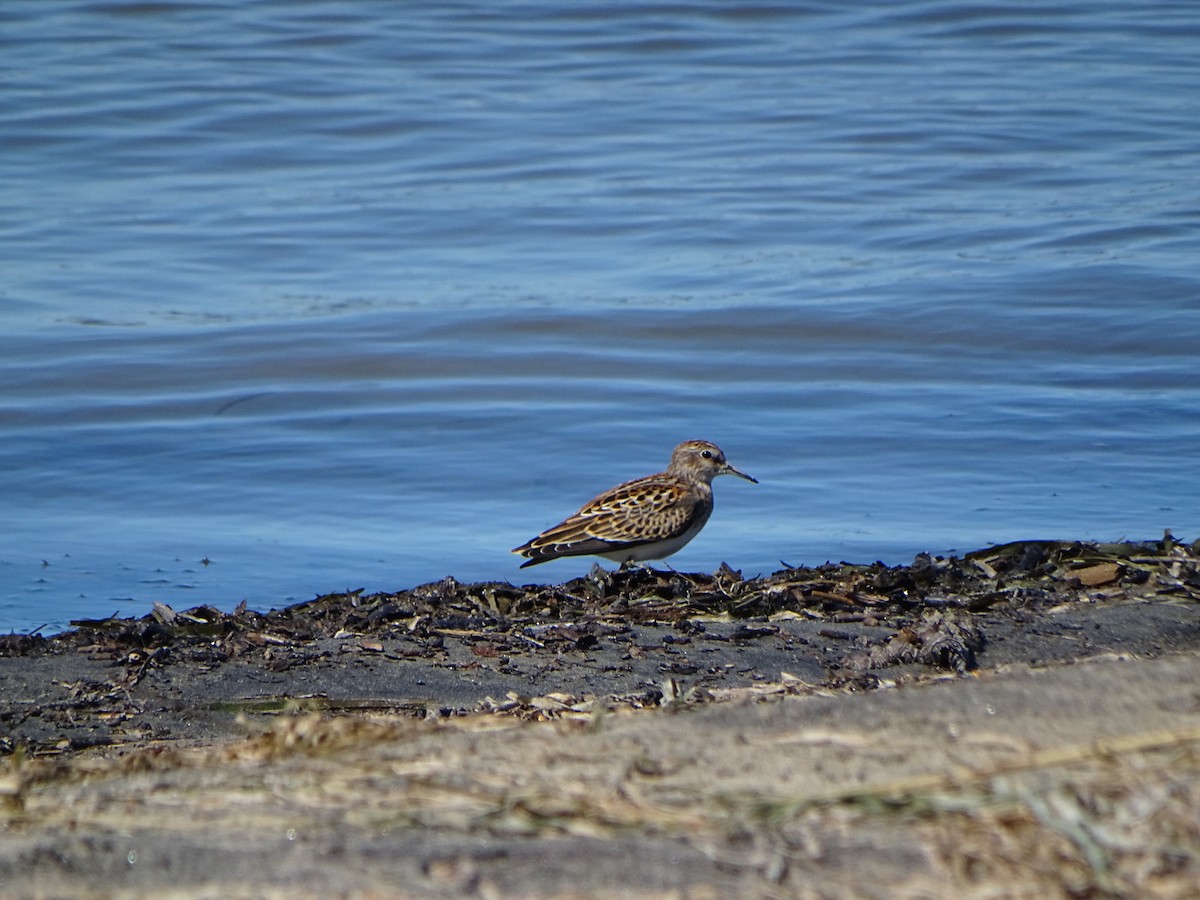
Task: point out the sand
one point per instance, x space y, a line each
1024 721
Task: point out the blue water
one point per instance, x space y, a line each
306 296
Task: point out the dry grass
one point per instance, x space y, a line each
1115 818
1120 824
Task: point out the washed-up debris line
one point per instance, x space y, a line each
1020 576
143 693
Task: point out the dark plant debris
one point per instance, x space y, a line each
1022 575
630 631
532 774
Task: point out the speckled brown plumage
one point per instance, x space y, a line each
647 518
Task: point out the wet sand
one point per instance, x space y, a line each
1027 717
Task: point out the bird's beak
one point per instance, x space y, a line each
730 470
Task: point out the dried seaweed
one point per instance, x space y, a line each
1026 575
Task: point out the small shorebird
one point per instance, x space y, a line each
648 518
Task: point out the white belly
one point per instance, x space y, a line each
656 550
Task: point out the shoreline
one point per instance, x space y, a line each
606 724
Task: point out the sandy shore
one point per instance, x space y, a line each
1025 720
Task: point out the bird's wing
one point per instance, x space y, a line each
636 512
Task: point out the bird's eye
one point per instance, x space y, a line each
707 454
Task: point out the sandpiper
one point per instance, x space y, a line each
647 518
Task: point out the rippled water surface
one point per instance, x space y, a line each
305 296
